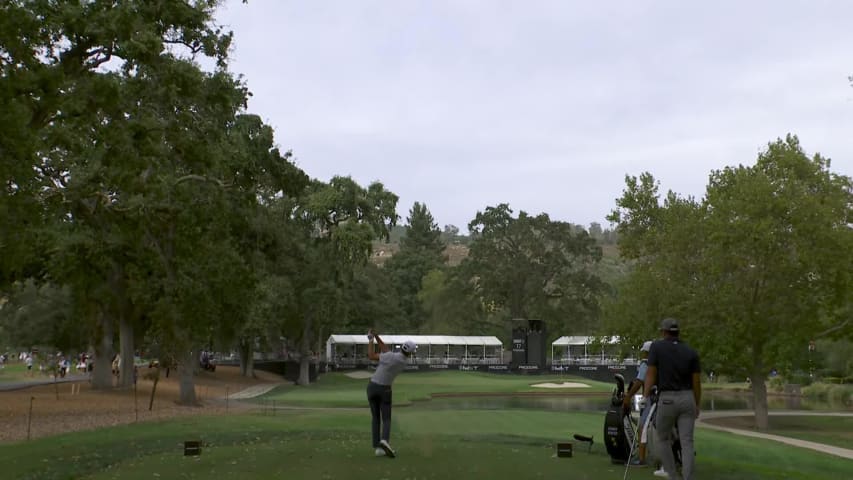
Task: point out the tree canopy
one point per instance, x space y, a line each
755 270
534 267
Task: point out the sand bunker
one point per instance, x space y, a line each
561 385
360 374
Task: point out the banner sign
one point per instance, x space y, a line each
602 373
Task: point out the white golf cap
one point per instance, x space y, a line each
646 346
409 346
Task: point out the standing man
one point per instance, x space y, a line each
379 388
636 385
674 368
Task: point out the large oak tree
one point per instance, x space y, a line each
534 267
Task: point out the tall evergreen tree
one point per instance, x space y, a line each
421 251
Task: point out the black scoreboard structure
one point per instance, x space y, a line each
528 344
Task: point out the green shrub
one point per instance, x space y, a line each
801 378
776 384
831 393
838 380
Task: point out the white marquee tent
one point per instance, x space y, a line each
585 349
431 348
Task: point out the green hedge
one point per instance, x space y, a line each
838 380
830 392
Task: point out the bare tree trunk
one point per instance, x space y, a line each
305 354
125 334
186 372
759 391
247 358
102 377
250 364
304 370
241 348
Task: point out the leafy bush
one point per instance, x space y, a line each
837 357
831 393
776 384
800 378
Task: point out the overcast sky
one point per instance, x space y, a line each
545 105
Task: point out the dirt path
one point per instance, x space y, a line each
56 410
820 447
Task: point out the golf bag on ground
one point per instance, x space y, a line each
618 426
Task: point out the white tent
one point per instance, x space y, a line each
579 349
431 348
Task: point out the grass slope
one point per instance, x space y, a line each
16 372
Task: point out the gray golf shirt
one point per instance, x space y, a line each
390 365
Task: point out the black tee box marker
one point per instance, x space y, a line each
192 447
564 449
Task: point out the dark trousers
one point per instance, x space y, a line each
379 397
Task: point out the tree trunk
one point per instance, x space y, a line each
305 354
186 372
247 358
304 370
125 334
759 392
250 365
102 377
241 350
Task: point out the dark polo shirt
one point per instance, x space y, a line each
676 363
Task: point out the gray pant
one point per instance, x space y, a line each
676 409
379 397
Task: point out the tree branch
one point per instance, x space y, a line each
833 329
96 62
194 49
200 178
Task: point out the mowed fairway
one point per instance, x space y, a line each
319 440
335 444
339 390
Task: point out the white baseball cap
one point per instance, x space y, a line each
409 346
646 346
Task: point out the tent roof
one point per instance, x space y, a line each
581 340
361 339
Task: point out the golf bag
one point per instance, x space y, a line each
618 425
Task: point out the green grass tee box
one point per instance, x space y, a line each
335 444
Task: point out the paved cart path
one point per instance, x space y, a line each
820 447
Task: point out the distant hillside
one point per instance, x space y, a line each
456 252
382 251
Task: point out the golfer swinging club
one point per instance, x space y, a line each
379 389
